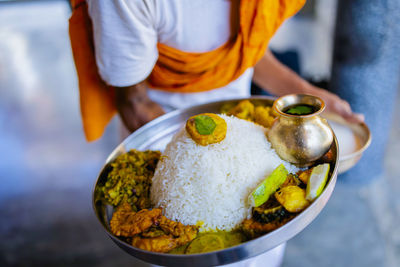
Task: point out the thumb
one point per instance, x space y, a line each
354 118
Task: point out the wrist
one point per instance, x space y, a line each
136 93
309 89
305 87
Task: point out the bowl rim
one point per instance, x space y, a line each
338 119
278 101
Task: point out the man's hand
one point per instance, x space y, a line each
279 80
337 105
135 107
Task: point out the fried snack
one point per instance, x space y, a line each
150 230
154 231
164 243
291 180
184 233
243 110
270 211
174 234
206 128
125 222
304 175
253 228
292 198
263 116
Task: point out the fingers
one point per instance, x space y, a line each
343 108
339 106
355 118
346 107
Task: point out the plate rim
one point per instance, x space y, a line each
217 258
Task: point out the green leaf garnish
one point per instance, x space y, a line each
300 110
205 125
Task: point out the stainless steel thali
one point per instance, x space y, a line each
155 135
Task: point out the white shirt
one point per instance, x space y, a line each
126 33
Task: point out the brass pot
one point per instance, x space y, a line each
300 139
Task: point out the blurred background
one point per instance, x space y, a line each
47 169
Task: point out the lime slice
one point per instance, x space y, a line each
205 243
263 191
317 181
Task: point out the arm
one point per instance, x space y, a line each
125 38
276 78
134 106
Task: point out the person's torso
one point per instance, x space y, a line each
198 26
194 25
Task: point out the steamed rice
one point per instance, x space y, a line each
209 185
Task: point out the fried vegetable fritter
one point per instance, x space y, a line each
206 128
164 243
128 223
177 229
291 179
293 198
246 110
253 228
175 234
267 217
243 110
304 175
263 116
270 211
150 230
130 179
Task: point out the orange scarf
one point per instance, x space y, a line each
175 70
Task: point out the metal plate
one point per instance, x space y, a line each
155 135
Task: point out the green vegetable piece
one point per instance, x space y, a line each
300 110
263 191
205 125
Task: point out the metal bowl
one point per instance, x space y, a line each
300 139
362 137
155 136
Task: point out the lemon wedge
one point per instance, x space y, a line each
264 190
205 243
317 181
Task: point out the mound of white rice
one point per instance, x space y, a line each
210 184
